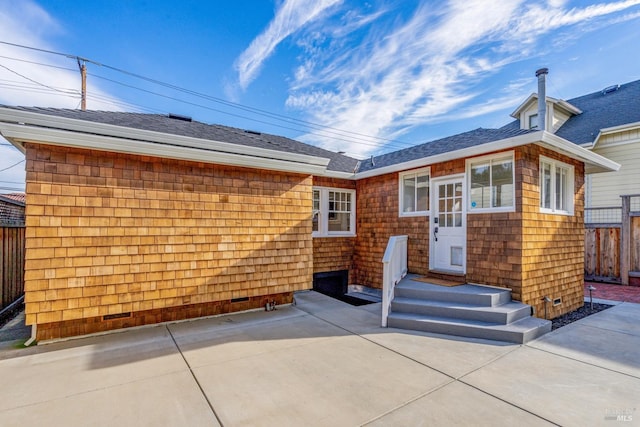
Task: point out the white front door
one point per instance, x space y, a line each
448 225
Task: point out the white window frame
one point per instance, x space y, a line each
415 173
529 117
491 158
323 213
569 190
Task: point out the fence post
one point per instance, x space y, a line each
625 240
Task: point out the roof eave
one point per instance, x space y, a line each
10 115
594 162
476 150
565 105
12 201
19 134
340 175
517 111
615 129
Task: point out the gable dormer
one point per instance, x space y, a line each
557 113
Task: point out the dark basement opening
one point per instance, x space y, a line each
335 285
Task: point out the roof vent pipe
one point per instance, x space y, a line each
541 74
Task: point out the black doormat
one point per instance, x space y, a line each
349 299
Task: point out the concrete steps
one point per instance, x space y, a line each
466 310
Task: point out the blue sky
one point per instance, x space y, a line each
364 77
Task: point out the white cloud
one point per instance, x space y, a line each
289 18
428 68
24 82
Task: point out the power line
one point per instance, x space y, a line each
354 136
233 114
31 80
37 63
13 165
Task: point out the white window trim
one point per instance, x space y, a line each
570 186
497 156
401 176
323 213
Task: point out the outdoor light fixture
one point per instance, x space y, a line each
591 289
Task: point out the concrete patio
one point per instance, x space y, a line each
324 362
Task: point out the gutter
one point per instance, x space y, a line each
18 134
613 129
475 150
543 138
595 162
23 126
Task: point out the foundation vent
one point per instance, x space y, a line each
116 316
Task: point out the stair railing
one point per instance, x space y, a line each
394 269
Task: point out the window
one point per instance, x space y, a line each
414 193
316 210
333 212
533 121
556 187
491 183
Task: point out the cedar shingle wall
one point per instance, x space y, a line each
112 233
534 254
553 245
494 244
333 253
494 250
378 220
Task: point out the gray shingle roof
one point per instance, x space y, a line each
195 129
451 143
599 111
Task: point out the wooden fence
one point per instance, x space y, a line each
12 244
612 249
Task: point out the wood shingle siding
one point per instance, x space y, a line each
334 253
113 233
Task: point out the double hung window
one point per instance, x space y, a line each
556 187
333 212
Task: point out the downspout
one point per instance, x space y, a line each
541 74
31 340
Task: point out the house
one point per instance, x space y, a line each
135 219
606 122
12 209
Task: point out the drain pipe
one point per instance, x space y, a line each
541 74
546 300
31 340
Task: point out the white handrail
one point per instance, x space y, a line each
394 269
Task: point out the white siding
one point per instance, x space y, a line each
606 188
